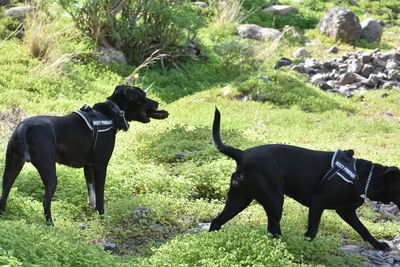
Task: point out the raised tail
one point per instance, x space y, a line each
21 136
232 152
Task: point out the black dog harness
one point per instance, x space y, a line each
344 166
96 121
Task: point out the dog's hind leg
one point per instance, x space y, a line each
13 165
89 176
350 216
99 182
235 203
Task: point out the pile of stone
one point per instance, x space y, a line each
350 72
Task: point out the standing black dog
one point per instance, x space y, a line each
84 138
266 173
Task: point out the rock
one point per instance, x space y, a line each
301 52
108 246
181 155
340 24
353 2
387 85
256 32
391 64
110 55
366 70
312 63
200 227
352 249
280 9
141 212
18 12
283 62
228 91
265 78
376 62
333 50
347 78
371 30
298 68
366 57
393 75
200 4
355 66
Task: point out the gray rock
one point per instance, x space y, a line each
312 63
379 62
301 52
265 78
333 50
141 212
280 9
110 55
200 4
340 24
298 68
256 32
393 75
355 66
366 70
18 12
181 155
388 85
371 30
352 249
366 57
347 78
391 64
108 246
353 3
200 227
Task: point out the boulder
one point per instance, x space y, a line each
340 24
371 30
256 32
110 55
18 12
200 4
301 52
280 9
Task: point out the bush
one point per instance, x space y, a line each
137 28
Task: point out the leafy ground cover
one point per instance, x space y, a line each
153 195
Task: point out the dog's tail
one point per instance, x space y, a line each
232 152
21 137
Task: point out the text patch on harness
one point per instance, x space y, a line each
343 165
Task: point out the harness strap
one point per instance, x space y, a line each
365 196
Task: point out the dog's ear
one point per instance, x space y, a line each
130 93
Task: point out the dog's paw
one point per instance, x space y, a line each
381 246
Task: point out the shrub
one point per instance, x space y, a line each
138 28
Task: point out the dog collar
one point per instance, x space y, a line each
364 196
121 123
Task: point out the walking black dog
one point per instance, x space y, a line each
266 173
84 138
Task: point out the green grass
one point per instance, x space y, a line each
179 193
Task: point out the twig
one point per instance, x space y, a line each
150 60
17 30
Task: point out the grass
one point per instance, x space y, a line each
180 192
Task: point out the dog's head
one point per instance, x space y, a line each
385 185
136 105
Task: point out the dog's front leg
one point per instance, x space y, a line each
314 216
99 181
89 176
350 216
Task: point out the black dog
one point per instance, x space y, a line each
266 173
84 138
